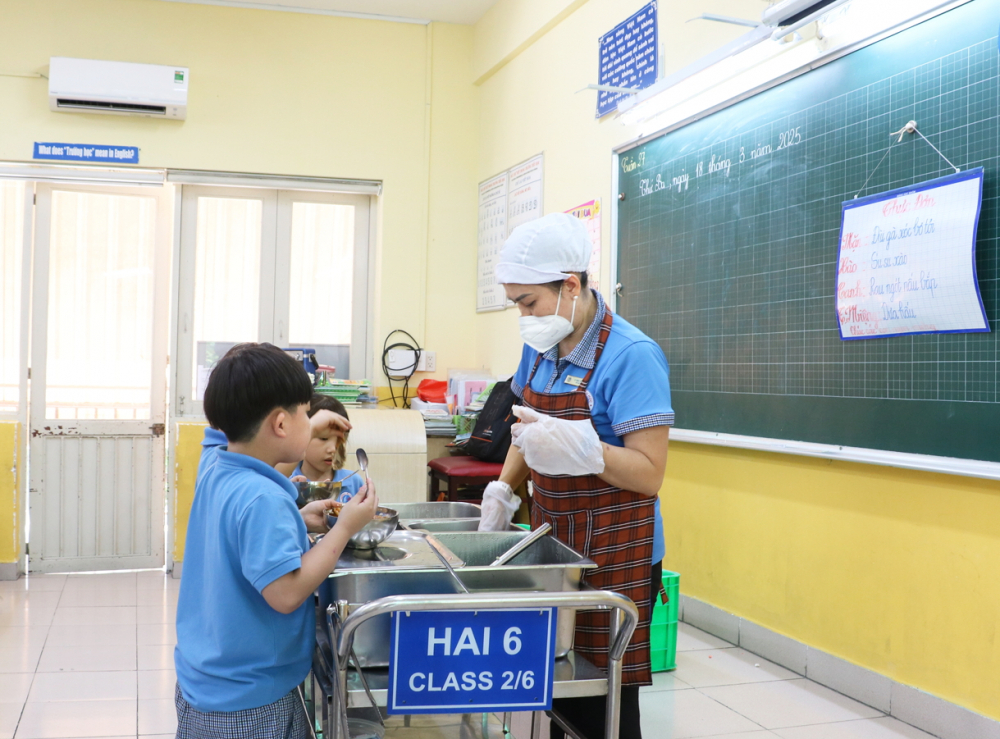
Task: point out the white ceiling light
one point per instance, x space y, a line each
758 59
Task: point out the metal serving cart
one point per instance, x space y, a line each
414 571
335 687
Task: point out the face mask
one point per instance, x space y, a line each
542 333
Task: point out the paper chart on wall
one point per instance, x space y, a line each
907 261
492 234
524 198
505 202
590 214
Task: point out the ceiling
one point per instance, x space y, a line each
449 11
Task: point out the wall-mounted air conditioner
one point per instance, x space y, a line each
117 88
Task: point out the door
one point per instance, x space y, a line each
98 378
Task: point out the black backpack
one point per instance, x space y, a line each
490 438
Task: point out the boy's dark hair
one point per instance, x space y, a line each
321 402
250 382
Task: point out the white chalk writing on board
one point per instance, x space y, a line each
907 261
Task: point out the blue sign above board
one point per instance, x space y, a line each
472 661
87 153
628 57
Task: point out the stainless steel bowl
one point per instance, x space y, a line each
375 531
311 491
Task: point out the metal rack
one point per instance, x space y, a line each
335 688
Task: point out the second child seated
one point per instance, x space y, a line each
327 450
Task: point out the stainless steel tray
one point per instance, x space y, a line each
403 550
437 510
435 525
546 566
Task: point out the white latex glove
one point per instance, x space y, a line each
555 446
499 506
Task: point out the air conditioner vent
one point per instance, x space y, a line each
109 107
118 88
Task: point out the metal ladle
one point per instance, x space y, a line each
522 545
363 463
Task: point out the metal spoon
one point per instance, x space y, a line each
522 545
363 463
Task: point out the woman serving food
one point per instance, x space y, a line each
594 422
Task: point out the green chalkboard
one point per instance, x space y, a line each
728 238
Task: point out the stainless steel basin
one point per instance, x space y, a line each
548 565
371 640
404 565
445 509
446 524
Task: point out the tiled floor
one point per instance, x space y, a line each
91 656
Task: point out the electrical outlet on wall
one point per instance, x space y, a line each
401 360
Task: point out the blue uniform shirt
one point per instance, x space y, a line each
233 650
629 390
348 488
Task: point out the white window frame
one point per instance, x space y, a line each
274 297
24 309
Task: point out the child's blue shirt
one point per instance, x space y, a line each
348 487
233 650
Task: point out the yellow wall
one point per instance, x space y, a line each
187 453
889 569
288 93
10 539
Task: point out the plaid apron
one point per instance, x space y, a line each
609 525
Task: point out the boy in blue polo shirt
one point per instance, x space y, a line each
245 618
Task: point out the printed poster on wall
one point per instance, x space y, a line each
492 234
505 202
590 214
628 57
907 260
524 198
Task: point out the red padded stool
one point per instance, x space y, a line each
462 471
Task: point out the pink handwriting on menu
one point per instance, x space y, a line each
898 206
853 291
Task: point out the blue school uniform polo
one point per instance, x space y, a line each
234 651
348 487
629 390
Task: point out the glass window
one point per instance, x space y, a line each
100 313
11 251
227 280
321 283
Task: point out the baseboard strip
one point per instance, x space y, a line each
908 704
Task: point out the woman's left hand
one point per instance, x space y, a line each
555 446
314 516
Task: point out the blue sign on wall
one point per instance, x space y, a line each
87 153
628 57
472 661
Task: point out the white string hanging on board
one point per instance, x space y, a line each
910 127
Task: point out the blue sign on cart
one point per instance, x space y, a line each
472 661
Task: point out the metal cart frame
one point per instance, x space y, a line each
334 684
